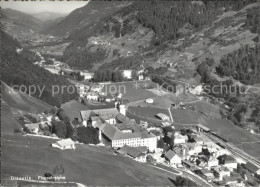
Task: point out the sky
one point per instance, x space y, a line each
33 7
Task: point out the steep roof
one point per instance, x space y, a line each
170 154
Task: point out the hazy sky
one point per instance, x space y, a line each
32 7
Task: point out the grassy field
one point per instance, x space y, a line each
90 165
8 123
147 112
185 117
129 91
207 108
234 134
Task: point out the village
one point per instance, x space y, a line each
188 149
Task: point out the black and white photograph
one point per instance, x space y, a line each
130 93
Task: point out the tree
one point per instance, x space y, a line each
87 135
168 129
181 181
59 128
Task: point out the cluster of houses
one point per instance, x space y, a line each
201 156
94 93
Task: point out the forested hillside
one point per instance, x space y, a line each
22 19
18 69
243 65
169 20
84 16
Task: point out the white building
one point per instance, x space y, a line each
87 75
150 100
92 96
212 162
64 144
127 74
82 89
108 121
179 139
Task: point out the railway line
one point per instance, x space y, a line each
234 150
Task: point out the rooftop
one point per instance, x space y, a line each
131 151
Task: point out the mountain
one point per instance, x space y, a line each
143 31
83 16
23 19
17 69
45 16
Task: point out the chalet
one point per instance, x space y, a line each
162 116
173 158
64 144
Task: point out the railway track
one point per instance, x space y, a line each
234 150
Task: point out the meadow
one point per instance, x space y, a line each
89 165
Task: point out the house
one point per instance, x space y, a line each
205 173
220 172
92 96
127 74
140 77
33 127
149 100
162 116
64 144
137 153
189 165
179 139
173 158
194 148
82 89
230 162
212 162
252 168
87 75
